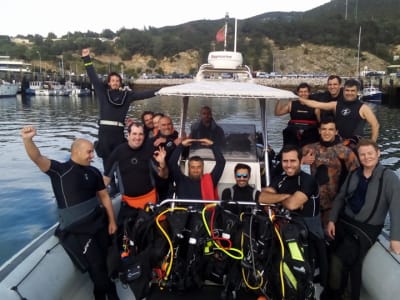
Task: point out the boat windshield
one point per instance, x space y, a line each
240 144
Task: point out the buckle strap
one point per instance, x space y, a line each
111 123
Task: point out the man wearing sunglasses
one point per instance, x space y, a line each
242 190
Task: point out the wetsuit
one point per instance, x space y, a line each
327 97
114 106
304 183
165 187
348 121
307 184
302 128
74 185
213 132
359 211
246 193
333 161
135 169
186 187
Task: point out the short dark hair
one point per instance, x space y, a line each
289 147
352 82
327 119
302 86
136 124
114 74
331 77
196 158
242 166
146 112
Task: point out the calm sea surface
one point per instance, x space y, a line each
27 206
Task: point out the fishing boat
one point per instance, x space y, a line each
371 94
8 89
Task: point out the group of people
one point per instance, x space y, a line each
354 191
347 187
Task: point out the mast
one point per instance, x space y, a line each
226 29
358 53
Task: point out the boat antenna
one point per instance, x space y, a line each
226 29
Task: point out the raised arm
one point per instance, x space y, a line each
27 134
321 105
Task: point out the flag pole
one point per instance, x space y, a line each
226 29
234 42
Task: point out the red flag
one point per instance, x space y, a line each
220 36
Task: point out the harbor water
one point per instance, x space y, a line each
27 206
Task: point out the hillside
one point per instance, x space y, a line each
322 40
306 58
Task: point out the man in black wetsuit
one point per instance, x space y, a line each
168 138
137 165
298 192
302 127
78 188
242 190
350 114
207 128
114 105
197 185
334 92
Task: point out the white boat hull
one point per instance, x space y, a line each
381 272
8 89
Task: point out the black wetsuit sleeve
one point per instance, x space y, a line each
173 162
133 96
91 72
111 163
219 164
226 195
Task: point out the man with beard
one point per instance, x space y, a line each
207 128
196 185
114 105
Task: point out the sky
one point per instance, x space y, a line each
60 17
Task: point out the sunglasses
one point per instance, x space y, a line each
238 175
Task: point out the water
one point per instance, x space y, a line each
27 206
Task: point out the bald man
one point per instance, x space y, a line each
79 189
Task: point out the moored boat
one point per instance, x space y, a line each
371 94
8 89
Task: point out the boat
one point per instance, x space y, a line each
371 94
42 270
47 88
8 89
76 91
